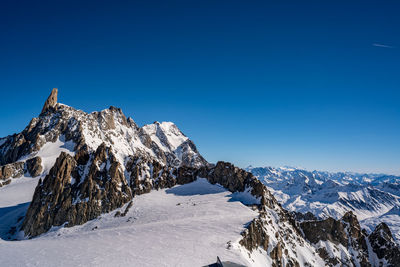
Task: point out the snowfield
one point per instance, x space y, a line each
187 225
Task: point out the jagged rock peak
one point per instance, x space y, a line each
51 100
383 244
383 230
344 234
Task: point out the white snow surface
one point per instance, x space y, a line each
187 225
166 135
50 152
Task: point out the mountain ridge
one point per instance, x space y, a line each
373 198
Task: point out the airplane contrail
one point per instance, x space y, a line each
382 45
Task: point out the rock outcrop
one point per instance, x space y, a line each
308 216
12 170
236 179
51 101
17 169
346 232
68 196
384 246
34 166
146 174
255 236
52 197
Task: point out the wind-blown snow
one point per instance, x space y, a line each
187 225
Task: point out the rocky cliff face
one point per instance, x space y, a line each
385 248
345 233
73 193
236 179
32 167
51 101
12 170
353 245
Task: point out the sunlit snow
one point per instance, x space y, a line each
187 225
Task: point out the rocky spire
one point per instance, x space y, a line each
51 101
383 244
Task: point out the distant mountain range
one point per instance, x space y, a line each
373 198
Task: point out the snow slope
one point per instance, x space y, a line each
166 135
187 225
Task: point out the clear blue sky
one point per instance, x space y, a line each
313 84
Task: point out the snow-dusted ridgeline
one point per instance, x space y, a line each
373 198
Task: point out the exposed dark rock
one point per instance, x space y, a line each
34 166
229 176
12 170
147 174
51 101
255 236
276 255
346 232
65 197
329 229
50 198
324 254
308 216
236 179
13 148
187 175
5 182
384 246
82 156
123 214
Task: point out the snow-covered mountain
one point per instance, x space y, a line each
57 122
373 198
95 189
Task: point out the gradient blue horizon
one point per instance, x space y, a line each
312 84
